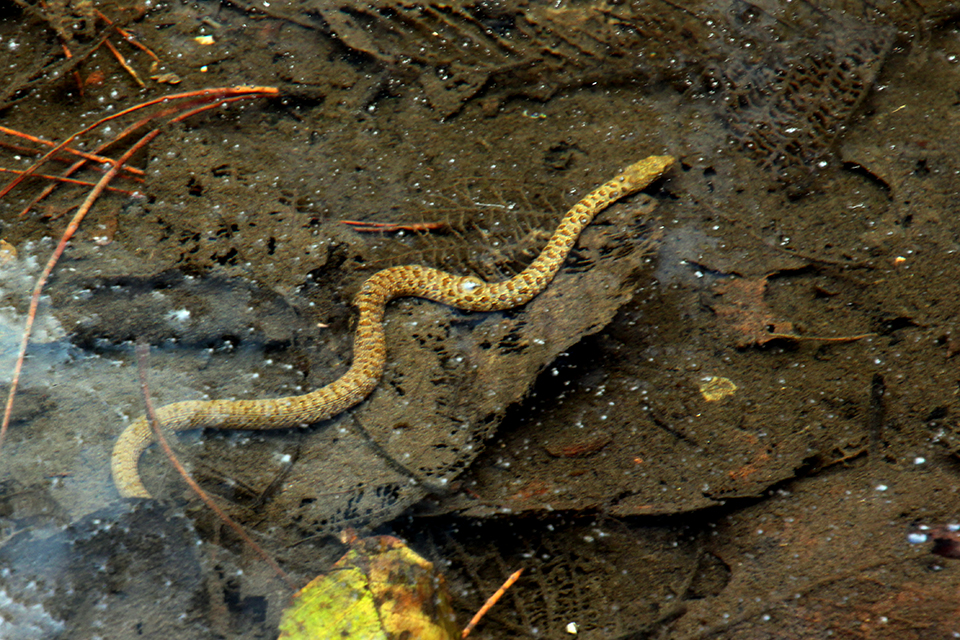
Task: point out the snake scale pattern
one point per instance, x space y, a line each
369 347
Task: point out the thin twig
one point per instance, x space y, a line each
492 600
142 352
129 37
123 63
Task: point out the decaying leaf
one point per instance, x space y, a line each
750 319
379 590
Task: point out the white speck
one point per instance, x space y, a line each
919 460
572 628
881 487
917 538
180 315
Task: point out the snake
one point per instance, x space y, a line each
467 293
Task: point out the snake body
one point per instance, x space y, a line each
369 347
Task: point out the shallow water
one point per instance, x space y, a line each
570 437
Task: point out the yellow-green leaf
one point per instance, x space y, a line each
333 606
379 590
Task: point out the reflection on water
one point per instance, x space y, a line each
49 346
25 617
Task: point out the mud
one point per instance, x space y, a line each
812 264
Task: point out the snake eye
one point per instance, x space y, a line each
469 285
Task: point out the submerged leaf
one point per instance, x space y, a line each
379 590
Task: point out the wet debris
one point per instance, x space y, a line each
714 388
741 307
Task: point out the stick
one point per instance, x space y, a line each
492 600
142 352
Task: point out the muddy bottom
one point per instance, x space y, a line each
733 414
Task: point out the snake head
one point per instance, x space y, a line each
640 174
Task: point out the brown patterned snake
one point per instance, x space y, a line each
369 346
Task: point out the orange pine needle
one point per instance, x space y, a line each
203 94
799 338
389 227
126 35
492 600
84 183
123 63
76 73
198 97
83 154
